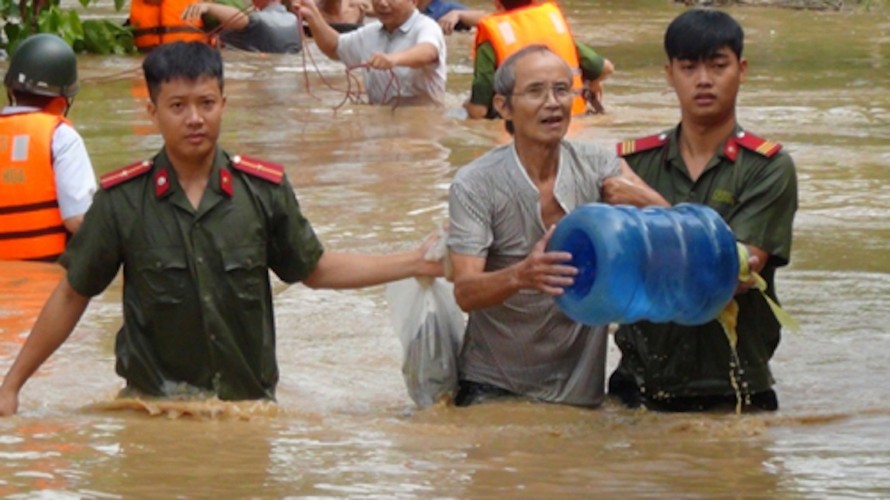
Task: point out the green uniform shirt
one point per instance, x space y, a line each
485 65
197 300
757 197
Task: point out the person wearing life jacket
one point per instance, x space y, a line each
46 177
155 22
522 23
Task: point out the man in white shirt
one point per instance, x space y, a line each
403 51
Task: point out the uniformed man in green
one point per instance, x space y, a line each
196 231
709 159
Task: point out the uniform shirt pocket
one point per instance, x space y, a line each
163 277
246 272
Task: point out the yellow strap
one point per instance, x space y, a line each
729 316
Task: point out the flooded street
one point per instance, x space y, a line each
376 180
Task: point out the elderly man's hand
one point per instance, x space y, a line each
545 271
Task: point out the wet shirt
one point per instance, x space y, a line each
197 302
526 344
757 196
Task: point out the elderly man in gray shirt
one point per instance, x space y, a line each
503 207
404 51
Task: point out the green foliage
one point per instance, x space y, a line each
96 36
101 36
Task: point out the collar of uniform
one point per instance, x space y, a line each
165 180
407 25
728 150
672 153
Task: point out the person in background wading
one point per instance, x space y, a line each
46 177
269 28
402 54
524 22
197 231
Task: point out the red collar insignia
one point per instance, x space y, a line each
225 182
162 182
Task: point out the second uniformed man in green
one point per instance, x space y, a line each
196 231
709 159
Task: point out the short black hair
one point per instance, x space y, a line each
515 4
188 60
697 35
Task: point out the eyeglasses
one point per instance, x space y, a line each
539 93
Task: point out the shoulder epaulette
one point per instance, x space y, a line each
759 145
124 174
271 172
632 146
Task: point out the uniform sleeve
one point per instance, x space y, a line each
764 214
591 62
482 92
469 217
93 256
294 249
73 171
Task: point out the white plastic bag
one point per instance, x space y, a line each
430 325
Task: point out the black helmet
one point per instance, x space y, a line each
43 64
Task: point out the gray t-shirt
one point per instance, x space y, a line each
413 85
272 30
527 345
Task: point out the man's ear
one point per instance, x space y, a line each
152 110
502 106
669 74
743 69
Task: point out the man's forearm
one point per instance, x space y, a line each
420 55
57 319
481 290
229 17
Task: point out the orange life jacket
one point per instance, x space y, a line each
155 22
510 31
31 225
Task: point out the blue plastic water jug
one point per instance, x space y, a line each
676 264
